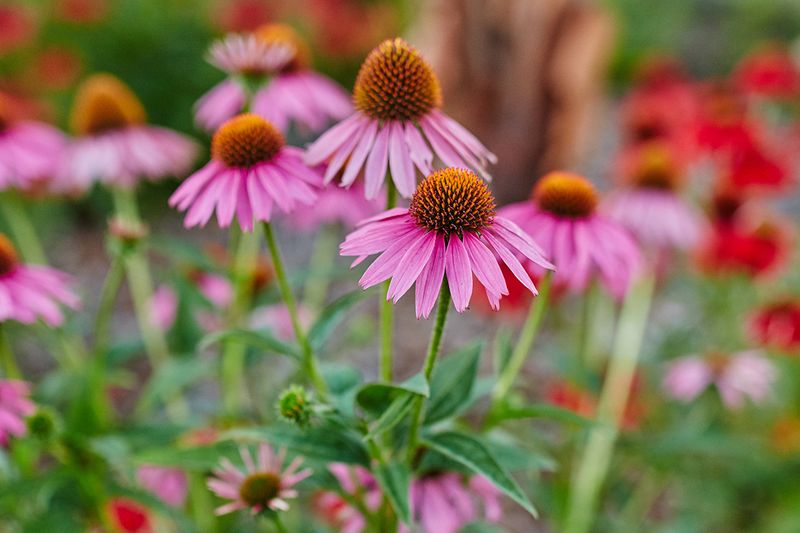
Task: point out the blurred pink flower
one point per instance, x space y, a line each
444 503
250 172
336 205
32 292
446 233
14 407
261 485
358 482
169 484
737 376
114 145
277 319
582 243
163 307
214 288
397 99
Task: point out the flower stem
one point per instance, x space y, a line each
427 368
526 339
386 310
233 354
22 227
309 361
594 463
279 527
10 367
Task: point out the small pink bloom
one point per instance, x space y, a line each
582 243
169 484
358 482
115 146
277 319
14 407
450 232
216 289
261 485
397 125
251 171
163 307
32 292
737 377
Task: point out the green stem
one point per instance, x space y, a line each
309 361
527 336
10 367
279 527
200 502
105 308
386 309
23 230
234 353
427 368
316 289
594 463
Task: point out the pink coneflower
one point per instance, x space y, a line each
444 503
448 232
243 57
114 145
562 217
357 482
29 151
737 377
335 205
277 319
296 93
648 204
169 484
14 407
397 99
251 171
261 486
163 307
32 292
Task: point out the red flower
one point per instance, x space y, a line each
17 27
56 68
582 402
769 72
82 11
778 325
752 249
753 169
128 516
242 15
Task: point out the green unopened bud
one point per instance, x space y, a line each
296 405
43 424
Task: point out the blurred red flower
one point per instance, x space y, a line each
17 27
769 72
568 395
242 15
777 325
128 516
752 249
56 68
723 122
82 11
753 169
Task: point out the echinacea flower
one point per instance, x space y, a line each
29 151
449 231
737 377
649 205
357 482
261 485
251 171
445 502
114 144
583 244
397 99
32 292
169 484
14 407
297 94
243 57
128 516
777 325
163 307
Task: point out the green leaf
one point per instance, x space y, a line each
321 443
543 410
376 397
393 415
471 453
332 316
481 527
197 459
260 340
394 479
503 347
452 382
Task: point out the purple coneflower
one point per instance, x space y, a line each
649 206
169 484
397 99
449 229
31 292
163 307
29 151
737 376
115 145
251 171
14 407
561 216
261 486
